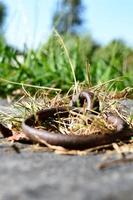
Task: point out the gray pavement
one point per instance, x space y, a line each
44 175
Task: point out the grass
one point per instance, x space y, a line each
77 123
63 62
64 66
29 104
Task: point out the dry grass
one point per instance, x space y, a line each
84 123
77 123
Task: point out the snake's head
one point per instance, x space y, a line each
85 99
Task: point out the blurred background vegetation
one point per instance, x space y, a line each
49 66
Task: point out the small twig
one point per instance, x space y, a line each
15 148
109 164
68 57
118 150
29 85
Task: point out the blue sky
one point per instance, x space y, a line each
29 21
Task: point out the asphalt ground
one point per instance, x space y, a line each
29 174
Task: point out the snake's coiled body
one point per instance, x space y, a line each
68 141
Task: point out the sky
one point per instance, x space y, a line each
29 21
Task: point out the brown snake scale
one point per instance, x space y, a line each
68 141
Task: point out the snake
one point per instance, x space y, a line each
73 142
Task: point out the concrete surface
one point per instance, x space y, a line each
43 175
